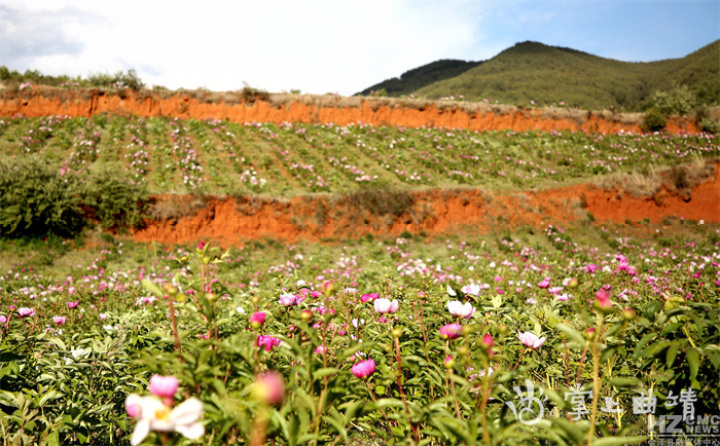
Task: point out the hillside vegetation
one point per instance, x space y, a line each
420 77
547 75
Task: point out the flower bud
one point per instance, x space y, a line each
306 316
170 289
487 341
463 350
397 332
590 334
449 362
257 319
628 314
269 388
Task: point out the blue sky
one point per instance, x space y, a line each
329 46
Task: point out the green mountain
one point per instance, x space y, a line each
531 71
420 77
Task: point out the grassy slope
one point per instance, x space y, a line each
533 71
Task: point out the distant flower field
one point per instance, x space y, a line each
221 157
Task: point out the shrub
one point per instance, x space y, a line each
35 199
113 198
380 202
679 100
710 125
118 80
250 94
654 120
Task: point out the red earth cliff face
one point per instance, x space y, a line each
88 103
434 212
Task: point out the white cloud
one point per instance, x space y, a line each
314 46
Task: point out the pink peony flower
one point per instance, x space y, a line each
72 305
287 299
451 331
364 369
268 342
603 299
321 350
368 297
531 340
163 386
59 320
25 312
545 283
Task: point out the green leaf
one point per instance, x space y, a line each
625 381
337 425
389 402
671 353
643 342
153 288
619 441
293 430
9 399
53 439
321 373
570 331
693 358
51 395
671 327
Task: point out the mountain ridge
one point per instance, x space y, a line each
531 72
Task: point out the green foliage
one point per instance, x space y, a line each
710 125
113 197
118 80
36 199
250 94
654 120
415 79
677 101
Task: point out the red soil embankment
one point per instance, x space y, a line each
318 110
434 212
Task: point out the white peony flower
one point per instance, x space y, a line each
153 415
385 306
459 309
